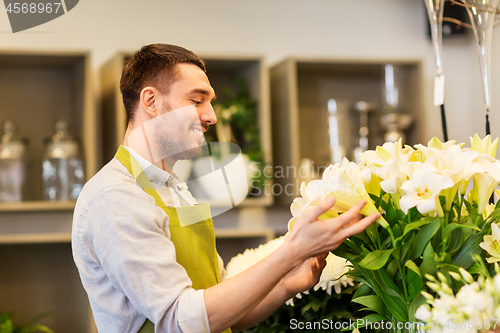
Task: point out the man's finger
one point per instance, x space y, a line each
313 214
359 226
345 218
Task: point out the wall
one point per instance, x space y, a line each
278 29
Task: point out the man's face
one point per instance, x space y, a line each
181 132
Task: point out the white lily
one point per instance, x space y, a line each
345 182
382 154
484 146
311 197
434 146
485 182
392 177
423 191
491 244
456 164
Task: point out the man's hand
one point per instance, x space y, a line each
304 276
311 237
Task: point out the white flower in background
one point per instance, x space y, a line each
250 257
471 295
334 275
476 300
491 244
423 313
423 191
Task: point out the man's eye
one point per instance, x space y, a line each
196 102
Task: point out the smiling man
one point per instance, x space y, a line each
146 251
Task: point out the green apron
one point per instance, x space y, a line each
191 231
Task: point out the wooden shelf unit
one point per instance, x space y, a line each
220 70
300 91
38 273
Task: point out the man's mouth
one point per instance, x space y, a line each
199 132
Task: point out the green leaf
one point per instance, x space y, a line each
414 280
392 268
375 259
371 318
346 251
464 257
429 265
423 237
429 251
416 224
373 302
363 290
453 226
455 241
414 305
392 298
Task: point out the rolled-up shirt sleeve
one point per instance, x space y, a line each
127 262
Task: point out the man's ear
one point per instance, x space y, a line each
149 100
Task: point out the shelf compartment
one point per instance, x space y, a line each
300 91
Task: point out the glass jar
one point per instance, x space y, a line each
62 166
12 163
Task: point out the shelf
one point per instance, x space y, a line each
302 89
35 238
221 69
37 206
39 88
38 272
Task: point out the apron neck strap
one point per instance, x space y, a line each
134 168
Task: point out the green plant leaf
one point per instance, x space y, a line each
423 237
375 259
363 290
373 302
392 298
464 257
414 280
417 224
429 251
392 268
346 251
429 265
371 318
414 305
452 226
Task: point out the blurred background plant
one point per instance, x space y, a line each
7 324
238 123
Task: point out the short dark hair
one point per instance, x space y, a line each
153 65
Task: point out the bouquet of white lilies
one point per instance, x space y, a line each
435 213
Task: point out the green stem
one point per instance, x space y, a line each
403 278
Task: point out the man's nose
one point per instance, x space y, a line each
207 114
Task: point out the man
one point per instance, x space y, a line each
146 254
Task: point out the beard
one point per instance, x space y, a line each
173 137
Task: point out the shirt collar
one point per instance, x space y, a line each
153 173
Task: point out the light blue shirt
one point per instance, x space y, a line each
121 246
